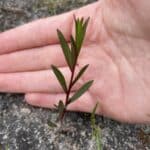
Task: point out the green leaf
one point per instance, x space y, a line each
93 122
61 108
78 34
81 27
65 48
73 50
81 91
80 74
86 24
60 78
82 20
84 28
96 131
51 124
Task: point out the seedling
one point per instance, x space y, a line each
96 131
71 54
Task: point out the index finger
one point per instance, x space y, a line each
37 33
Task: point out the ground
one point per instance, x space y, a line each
23 127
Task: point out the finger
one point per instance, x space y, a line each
85 103
43 31
33 59
39 81
38 33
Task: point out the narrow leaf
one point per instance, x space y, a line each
86 23
51 124
81 27
61 108
73 50
60 78
79 35
84 28
96 131
65 48
82 19
78 32
93 121
80 74
81 91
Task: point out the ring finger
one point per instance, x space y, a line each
33 59
37 81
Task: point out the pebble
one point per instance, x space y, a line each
25 111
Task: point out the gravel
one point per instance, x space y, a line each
23 127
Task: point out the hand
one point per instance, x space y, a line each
116 47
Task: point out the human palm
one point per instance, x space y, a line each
118 86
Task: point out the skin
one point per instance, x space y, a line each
116 47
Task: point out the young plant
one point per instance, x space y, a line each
96 131
71 54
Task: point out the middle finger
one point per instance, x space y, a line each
37 81
33 59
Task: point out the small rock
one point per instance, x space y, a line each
83 133
25 111
5 137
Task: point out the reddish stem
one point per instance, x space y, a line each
68 92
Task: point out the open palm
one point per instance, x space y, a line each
27 53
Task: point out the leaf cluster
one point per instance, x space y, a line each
71 53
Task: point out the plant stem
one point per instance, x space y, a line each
68 92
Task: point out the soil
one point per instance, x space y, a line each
23 127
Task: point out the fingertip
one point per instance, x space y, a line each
25 36
31 99
41 100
